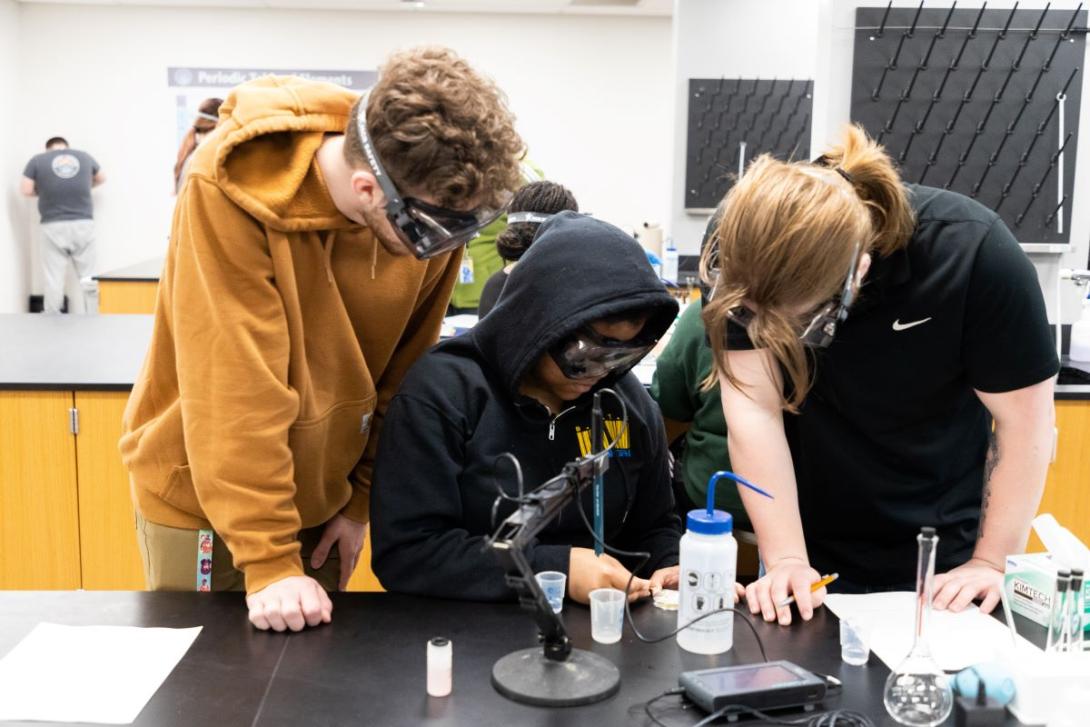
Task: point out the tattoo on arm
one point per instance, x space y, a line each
991 461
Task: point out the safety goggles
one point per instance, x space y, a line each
820 331
587 355
531 217
426 229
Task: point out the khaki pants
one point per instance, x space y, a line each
63 241
170 559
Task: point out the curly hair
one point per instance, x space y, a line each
545 197
440 129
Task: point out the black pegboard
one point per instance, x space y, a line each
966 99
768 115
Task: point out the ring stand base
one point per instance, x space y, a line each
527 676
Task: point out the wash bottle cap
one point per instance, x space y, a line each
710 521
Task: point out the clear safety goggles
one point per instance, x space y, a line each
585 354
426 229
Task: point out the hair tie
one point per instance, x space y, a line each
824 161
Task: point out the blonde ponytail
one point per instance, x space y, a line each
786 241
875 179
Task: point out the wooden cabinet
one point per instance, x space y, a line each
39 516
66 518
364 578
1067 489
66 514
109 556
122 296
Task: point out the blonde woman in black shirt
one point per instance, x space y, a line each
866 334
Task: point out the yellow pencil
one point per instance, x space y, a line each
826 580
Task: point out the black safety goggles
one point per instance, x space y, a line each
585 354
820 331
426 229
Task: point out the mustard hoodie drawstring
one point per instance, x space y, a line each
327 256
374 254
327 250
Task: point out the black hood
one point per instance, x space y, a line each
578 270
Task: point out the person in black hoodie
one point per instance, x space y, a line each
580 309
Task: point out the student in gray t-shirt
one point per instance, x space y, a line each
61 179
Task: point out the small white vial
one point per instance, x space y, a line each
440 667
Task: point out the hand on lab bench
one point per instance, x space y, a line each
786 577
587 571
664 578
976 578
290 603
668 578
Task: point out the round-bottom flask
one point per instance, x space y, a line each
918 693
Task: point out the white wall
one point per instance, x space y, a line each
12 262
592 94
732 38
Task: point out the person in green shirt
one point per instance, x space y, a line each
481 259
679 372
688 410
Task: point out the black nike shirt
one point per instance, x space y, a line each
892 436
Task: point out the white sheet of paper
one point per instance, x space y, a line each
645 370
100 674
452 325
957 640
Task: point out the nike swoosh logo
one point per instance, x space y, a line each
898 326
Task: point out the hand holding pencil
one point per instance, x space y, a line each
814 587
770 596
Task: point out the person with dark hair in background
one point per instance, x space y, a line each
481 260
207 119
533 204
61 179
579 311
691 410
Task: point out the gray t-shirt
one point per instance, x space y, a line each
62 178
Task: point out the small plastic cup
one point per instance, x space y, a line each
854 641
553 583
606 615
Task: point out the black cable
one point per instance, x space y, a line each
645 556
503 496
525 498
649 702
722 712
831 718
835 685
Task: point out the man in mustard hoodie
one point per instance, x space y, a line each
311 258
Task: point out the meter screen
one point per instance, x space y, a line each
750 680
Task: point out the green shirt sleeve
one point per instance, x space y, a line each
674 384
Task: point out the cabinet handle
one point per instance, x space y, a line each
73 420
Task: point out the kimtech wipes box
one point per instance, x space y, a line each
1030 578
1030 582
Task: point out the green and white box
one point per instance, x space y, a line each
1030 583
